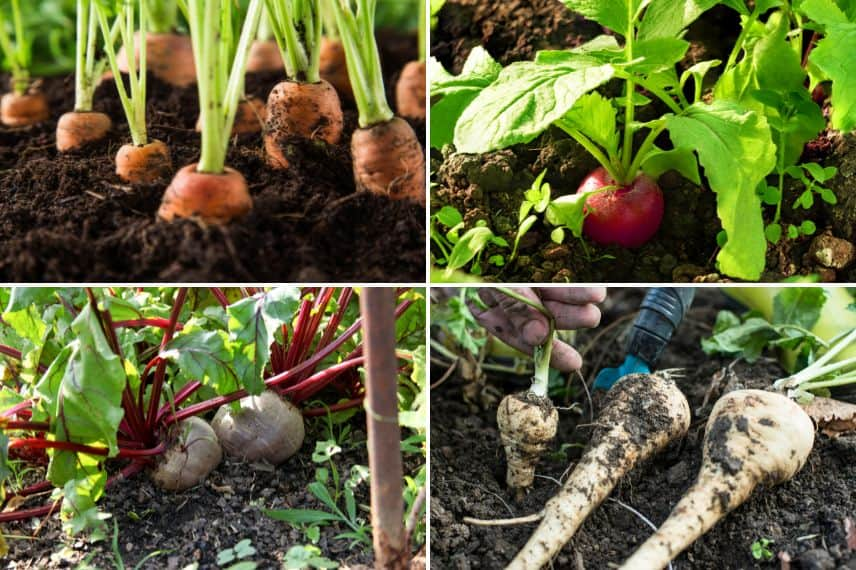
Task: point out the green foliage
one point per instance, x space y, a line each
302 557
242 549
457 251
457 322
761 550
795 312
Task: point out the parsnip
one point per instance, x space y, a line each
753 437
527 424
641 416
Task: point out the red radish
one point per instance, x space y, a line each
625 215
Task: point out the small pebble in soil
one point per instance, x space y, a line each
832 252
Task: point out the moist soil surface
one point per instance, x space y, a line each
70 218
490 187
811 519
197 524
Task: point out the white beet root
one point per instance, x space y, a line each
265 428
641 415
752 438
193 454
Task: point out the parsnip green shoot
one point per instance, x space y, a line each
828 371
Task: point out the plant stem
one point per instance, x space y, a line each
377 306
629 91
591 147
741 39
358 40
647 144
541 354
157 385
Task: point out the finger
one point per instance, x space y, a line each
491 316
532 326
572 317
564 358
573 295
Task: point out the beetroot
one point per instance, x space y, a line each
627 215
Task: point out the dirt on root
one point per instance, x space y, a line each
490 187
811 519
197 524
69 217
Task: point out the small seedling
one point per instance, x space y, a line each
761 550
243 549
303 557
459 250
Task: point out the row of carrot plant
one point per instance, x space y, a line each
225 41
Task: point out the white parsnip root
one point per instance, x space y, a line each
527 424
642 414
753 437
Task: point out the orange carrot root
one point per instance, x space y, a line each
213 198
249 119
143 164
23 110
76 129
264 56
389 160
169 57
334 68
410 91
310 111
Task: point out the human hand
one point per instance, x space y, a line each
523 327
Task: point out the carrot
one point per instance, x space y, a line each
410 91
210 197
304 106
22 110
266 427
642 414
309 111
143 164
389 160
75 129
250 117
334 68
264 56
169 58
752 437
387 156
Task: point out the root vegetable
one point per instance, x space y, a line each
265 428
410 91
190 458
297 110
169 57
753 437
642 414
625 215
213 198
527 424
334 68
264 56
389 160
77 129
249 119
143 164
23 110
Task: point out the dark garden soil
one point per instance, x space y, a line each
490 187
69 218
811 519
195 525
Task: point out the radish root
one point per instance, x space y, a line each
752 437
642 414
